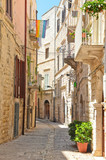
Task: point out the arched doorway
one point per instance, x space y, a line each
64 111
38 108
47 109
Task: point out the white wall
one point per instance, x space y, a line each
47 42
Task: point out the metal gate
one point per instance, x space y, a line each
16 119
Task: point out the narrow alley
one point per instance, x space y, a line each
48 141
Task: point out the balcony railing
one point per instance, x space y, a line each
69 58
32 30
90 32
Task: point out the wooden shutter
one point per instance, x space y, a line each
22 79
16 85
46 80
9 8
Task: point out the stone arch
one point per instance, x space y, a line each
63 109
46 109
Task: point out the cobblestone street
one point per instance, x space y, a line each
48 141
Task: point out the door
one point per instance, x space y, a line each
103 135
16 119
38 108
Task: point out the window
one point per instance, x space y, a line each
46 53
58 62
47 25
63 52
58 25
63 14
46 81
9 8
69 86
19 83
69 4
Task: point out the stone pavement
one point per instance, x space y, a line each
48 141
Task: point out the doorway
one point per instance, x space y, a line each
64 111
16 119
47 109
38 108
103 133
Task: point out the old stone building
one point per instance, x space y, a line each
46 67
89 56
12 68
66 18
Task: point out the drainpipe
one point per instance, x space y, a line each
36 78
104 79
105 66
25 41
54 92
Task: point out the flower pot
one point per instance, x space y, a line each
82 147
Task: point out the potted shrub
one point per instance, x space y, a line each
85 34
94 7
83 135
72 34
72 128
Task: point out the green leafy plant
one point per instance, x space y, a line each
83 132
72 129
86 34
72 34
28 63
94 7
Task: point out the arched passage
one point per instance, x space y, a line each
47 109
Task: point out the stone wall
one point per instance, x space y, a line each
7 72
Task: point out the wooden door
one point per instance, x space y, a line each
103 135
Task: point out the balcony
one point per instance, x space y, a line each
33 86
69 59
89 39
32 30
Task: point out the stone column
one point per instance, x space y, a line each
97 130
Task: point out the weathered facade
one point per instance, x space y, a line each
46 67
89 51
12 69
65 74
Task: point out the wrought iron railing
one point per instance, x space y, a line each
90 32
32 27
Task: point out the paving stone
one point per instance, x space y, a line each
46 142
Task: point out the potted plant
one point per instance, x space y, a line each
83 135
72 34
85 34
94 7
72 128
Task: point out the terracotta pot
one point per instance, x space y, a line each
82 147
83 35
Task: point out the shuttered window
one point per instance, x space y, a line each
16 85
63 14
46 53
9 8
46 81
69 4
19 87
58 25
22 79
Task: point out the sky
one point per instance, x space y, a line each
44 5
